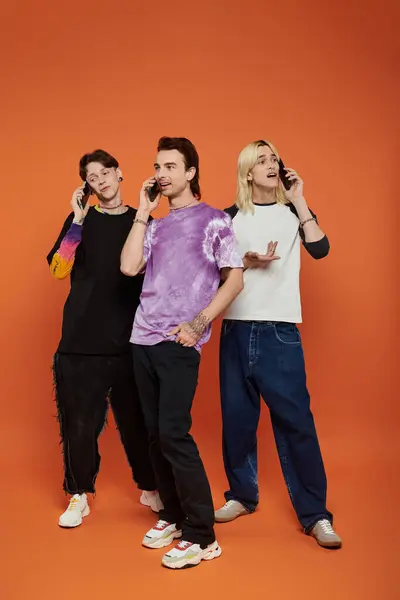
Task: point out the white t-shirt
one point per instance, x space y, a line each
271 294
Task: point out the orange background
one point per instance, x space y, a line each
321 83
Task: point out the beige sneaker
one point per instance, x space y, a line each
230 511
152 500
325 535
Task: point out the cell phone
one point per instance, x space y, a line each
287 184
87 190
153 191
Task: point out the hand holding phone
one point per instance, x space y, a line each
79 202
86 191
150 195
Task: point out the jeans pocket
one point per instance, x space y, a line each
227 326
287 333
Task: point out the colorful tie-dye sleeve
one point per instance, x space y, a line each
64 258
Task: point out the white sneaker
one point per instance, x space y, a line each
186 554
230 511
162 534
152 500
77 509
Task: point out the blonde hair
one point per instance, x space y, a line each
246 161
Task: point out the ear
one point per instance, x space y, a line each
190 173
119 174
249 177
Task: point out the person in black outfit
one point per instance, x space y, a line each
93 364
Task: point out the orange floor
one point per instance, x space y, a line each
265 554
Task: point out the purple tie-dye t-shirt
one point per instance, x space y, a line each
184 253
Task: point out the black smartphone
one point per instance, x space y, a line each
287 184
86 194
153 191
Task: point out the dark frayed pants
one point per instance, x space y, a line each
83 387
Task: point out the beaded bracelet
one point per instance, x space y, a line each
307 221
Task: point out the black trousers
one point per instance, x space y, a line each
83 386
166 376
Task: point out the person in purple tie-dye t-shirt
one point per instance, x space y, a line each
185 255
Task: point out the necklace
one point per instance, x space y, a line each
184 206
104 210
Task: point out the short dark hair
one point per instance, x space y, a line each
100 156
190 157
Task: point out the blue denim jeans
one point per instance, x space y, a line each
266 359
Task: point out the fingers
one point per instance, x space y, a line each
148 183
78 194
184 336
266 264
262 261
266 258
76 201
185 340
252 255
271 249
292 175
174 331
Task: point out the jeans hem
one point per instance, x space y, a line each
250 508
311 525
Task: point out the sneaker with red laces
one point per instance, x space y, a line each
187 554
162 534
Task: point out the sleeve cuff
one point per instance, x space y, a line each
318 249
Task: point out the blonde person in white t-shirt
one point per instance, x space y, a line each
261 352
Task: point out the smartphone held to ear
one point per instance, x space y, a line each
153 191
86 195
287 184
